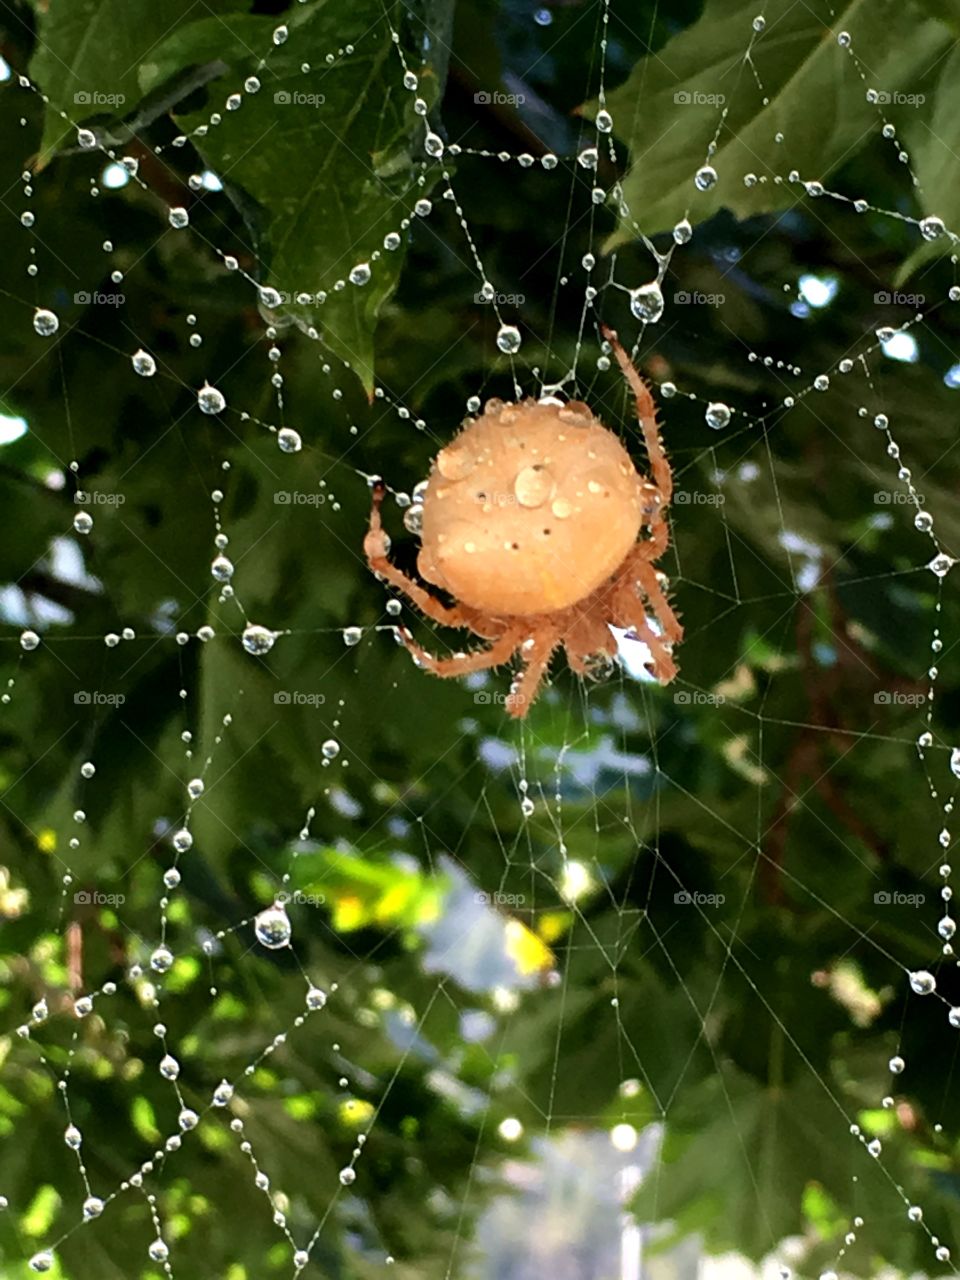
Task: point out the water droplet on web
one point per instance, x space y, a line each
923 982
885 333
251 84
646 303
925 739
87 139
931 228
45 322
73 1137
158 1251
682 232
843 39
717 414
874 1147
171 877
289 440
161 960
222 1094
705 178
222 568
821 382
29 640
352 636
316 998
413 518
92 1207
270 298
83 522
759 22
272 927
258 640
587 159
941 565
433 144
915 1213
169 1067
330 749
604 121
360 274
42 1261
508 339
178 218
210 399
182 840
896 1065
143 363
347 1177
923 521
301 1258
83 1007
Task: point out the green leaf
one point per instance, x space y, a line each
669 110
89 52
332 158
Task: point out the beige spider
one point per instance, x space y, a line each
531 521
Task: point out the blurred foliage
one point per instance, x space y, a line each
472 977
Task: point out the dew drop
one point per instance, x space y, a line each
161 960
931 228
83 522
705 178
508 339
289 440
646 303
222 568
210 399
316 998
178 218
29 640
347 1176
272 927
360 274
923 982
682 232
717 415
45 322
604 121
533 486
330 749
258 640
143 363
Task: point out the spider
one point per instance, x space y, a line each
530 520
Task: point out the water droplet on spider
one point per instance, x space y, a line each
941 565
717 414
258 640
143 363
73 1137
923 982
222 568
289 440
272 927
604 121
533 486
316 998
352 636
360 274
705 178
897 1065
92 1207
158 1250
42 1261
161 960
923 521
508 339
330 749
182 840
210 399
83 522
45 322
931 228
29 640
413 518
682 232
646 303
222 1094
347 1176
169 1067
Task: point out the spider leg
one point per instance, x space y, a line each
633 615
650 585
535 659
375 549
462 664
647 415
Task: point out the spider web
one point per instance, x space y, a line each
303 944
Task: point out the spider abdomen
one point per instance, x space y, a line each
529 509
